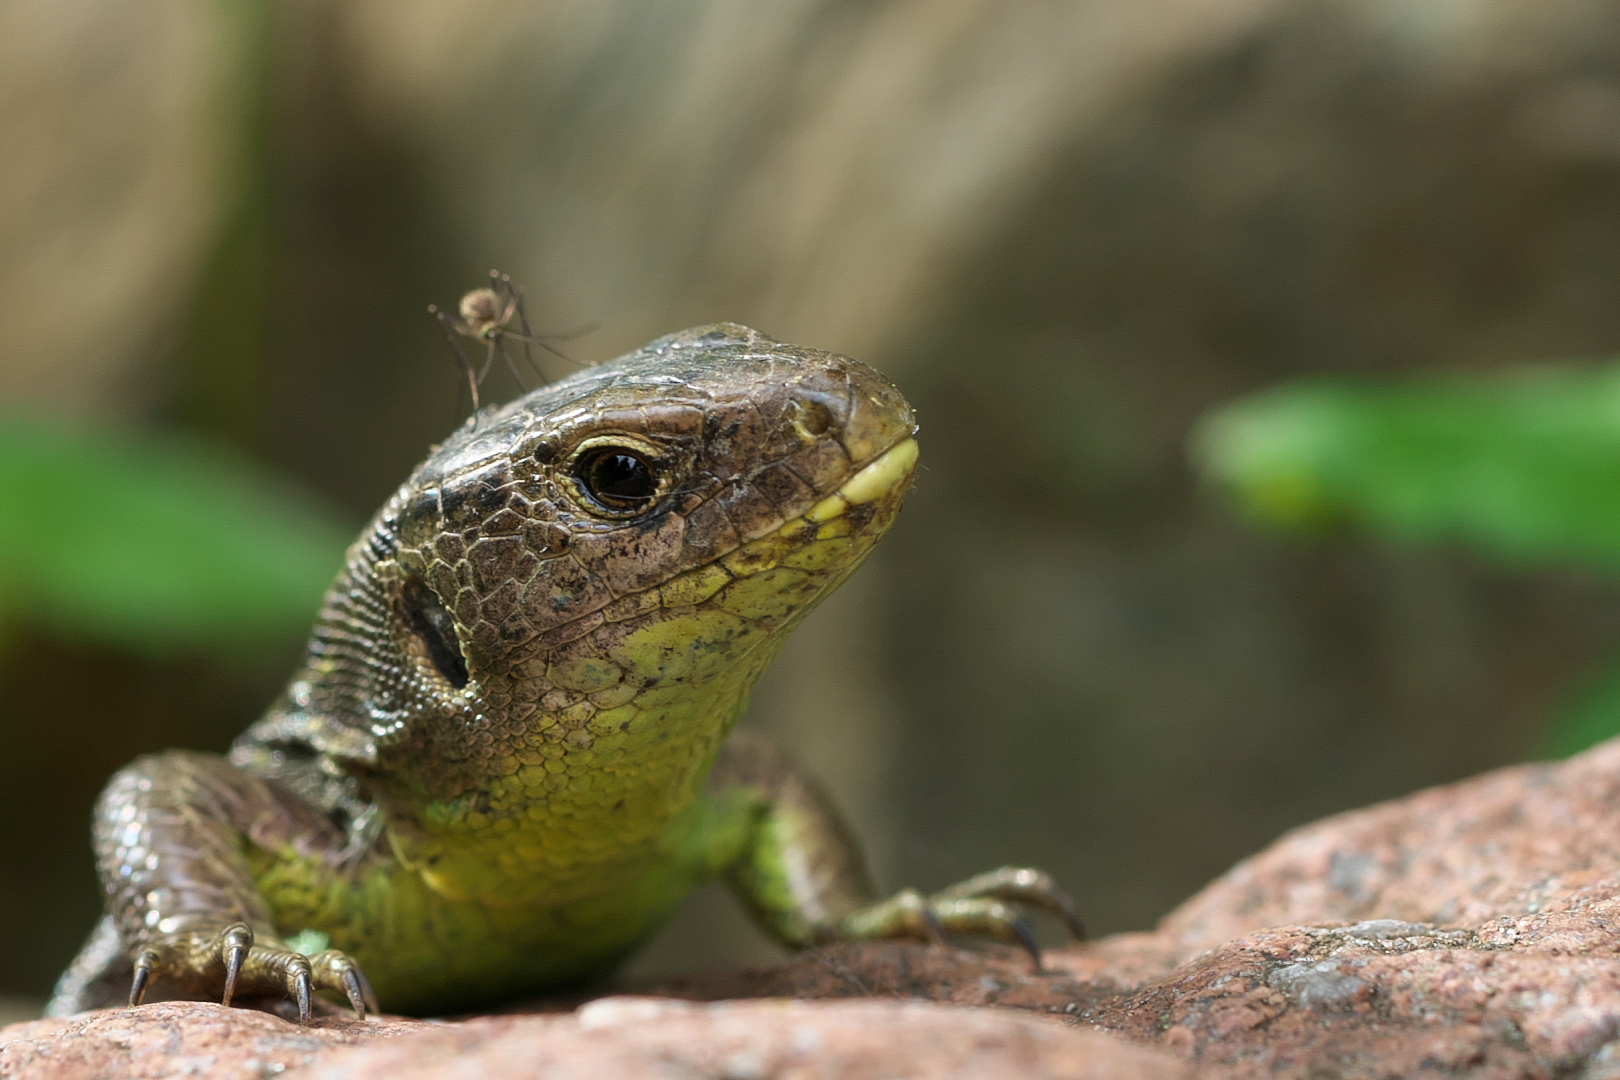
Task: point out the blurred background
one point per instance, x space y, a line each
1271 454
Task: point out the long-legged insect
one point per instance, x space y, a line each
486 315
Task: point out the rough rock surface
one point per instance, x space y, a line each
1468 930
177 1038
1471 930
617 1036
650 1037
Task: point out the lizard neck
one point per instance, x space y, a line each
582 806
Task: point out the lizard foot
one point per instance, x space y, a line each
233 960
991 903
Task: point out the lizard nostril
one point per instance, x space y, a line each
813 417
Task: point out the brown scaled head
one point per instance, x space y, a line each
654 521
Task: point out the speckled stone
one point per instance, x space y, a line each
1468 930
1471 930
611 1037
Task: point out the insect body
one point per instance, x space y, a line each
487 315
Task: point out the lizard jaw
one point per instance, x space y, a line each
890 470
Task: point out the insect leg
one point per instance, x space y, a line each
447 322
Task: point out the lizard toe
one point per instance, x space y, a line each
1025 885
232 963
990 904
334 970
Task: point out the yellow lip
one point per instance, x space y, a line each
873 482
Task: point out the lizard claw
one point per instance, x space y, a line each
351 988
1026 937
301 990
365 989
237 939
144 964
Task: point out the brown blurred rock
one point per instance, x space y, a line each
1471 930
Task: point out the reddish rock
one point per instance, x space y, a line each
1513 842
609 1037
177 1038
1471 930
781 1040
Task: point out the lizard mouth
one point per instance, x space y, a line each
890 470
827 540
824 541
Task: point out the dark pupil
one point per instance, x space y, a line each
618 479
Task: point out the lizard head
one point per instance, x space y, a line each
606 564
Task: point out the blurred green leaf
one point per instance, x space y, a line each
155 543
1524 465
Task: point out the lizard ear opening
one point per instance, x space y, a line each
431 621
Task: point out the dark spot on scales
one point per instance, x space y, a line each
490 497
484 490
454 498
424 507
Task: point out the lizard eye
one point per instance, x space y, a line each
616 478
431 621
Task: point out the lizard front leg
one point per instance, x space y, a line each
171 835
800 872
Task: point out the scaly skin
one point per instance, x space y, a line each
502 764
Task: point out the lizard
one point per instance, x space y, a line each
505 760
